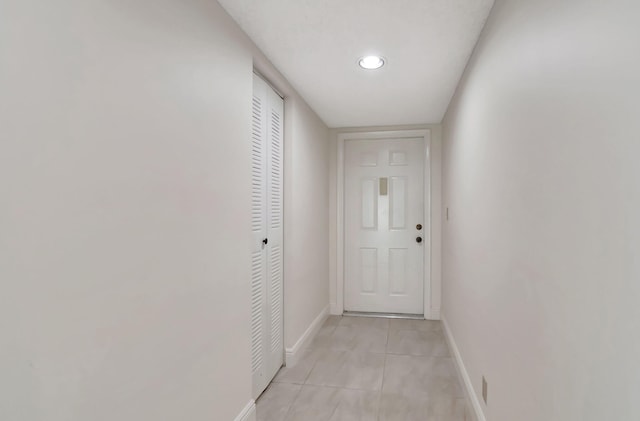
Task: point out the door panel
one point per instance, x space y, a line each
259 231
267 333
257 304
398 203
398 259
275 232
384 201
368 270
369 203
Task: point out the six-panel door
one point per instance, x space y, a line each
384 211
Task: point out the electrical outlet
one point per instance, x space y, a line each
485 388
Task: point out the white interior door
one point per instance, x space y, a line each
267 338
384 227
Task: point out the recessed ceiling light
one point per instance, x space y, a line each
371 62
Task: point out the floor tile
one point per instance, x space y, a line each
429 376
275 402
369 369
422 325
371 322
323 337
318 403
357 405
348 369
416 342
352 338
400 407
299 372
332 320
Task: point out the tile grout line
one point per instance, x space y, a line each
384 368
306 379
352 389
293 401
304 382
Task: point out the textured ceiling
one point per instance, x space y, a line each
316 44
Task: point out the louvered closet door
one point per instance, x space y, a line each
275 233
267 341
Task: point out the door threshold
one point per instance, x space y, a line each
383 315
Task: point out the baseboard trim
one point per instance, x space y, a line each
334 310
462 372
434 314
293 354
248 413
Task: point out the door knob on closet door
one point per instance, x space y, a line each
419 240
265 241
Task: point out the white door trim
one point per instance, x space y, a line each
429 311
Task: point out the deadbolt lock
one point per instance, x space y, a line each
419 227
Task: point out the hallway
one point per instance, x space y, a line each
171 231
365 369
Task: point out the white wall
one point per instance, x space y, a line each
306 269
124 216
436 215
541 175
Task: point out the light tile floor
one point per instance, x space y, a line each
369 369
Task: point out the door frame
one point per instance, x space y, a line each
429 311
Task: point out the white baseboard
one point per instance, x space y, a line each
248 413
462 372
293 354
434 314
334 310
